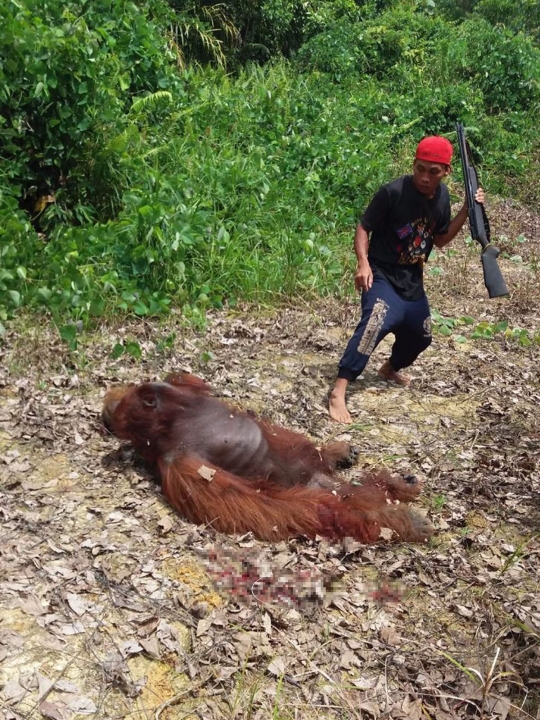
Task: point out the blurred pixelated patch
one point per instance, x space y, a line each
251 576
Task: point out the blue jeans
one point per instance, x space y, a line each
383 312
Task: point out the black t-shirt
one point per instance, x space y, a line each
402 223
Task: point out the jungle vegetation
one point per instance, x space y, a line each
165 153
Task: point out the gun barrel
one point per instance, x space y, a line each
465 165
477 220
479 223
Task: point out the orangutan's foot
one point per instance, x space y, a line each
336 404
387 372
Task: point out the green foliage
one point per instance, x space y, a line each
68 71
403 33
135 177
438 502
130 347
201 32
338 51
503 66
320 16
456 9
522 16
481 331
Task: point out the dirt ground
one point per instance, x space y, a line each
112 606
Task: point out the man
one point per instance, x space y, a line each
404 219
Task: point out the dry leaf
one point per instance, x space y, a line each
55 711
13 692
206 472
78 604
166 524
277 667
32 606
83 706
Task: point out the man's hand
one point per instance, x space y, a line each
363 278
457 223
480 197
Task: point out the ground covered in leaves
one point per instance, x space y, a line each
111 606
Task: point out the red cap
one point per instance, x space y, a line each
435 149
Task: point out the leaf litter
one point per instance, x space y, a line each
113 606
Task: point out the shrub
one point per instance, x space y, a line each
68 71
505 67
523 16
157 187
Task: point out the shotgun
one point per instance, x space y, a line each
479 223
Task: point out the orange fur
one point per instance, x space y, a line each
225 468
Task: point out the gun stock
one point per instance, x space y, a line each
479 224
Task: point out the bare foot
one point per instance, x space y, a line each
336 404
387 372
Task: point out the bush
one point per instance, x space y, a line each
404 34
156 187
523 16
67 74
505 67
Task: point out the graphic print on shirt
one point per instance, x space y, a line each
369 338
415 241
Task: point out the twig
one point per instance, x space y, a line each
172 701
314 667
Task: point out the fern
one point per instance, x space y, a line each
150 101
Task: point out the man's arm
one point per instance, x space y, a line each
457 223
363 278
455 226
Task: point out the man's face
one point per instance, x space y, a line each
428 175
